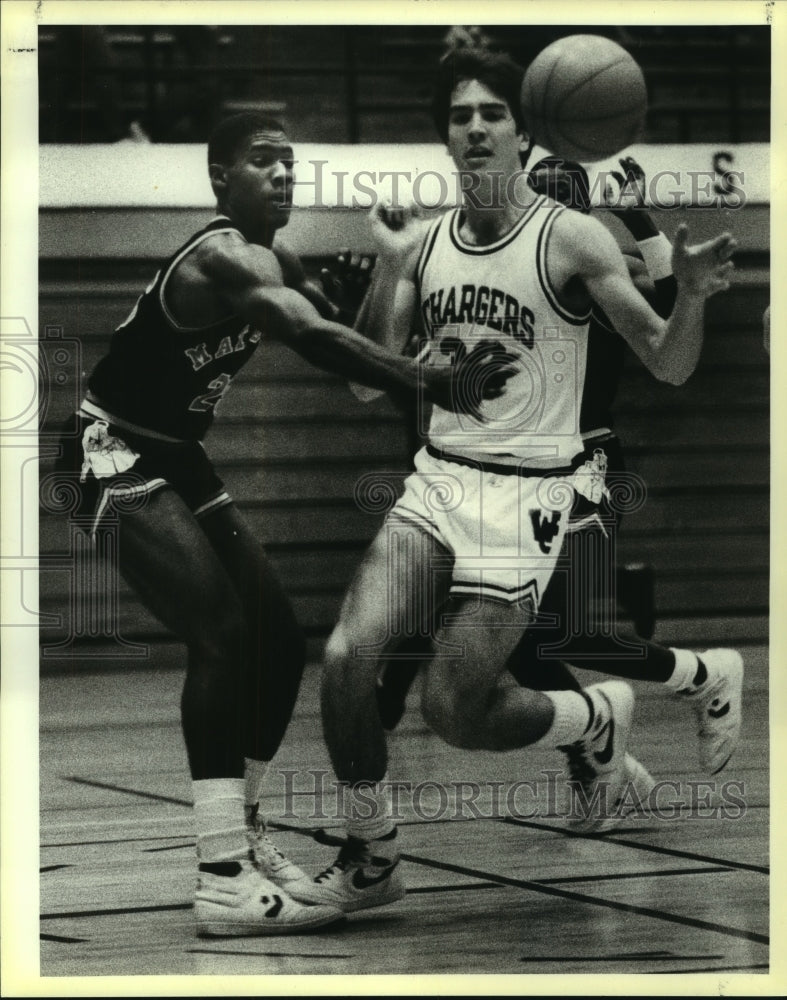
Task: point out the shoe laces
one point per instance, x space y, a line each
263 843
580 767
351 851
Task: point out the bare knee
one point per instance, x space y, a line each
454 714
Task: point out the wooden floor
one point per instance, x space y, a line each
487 892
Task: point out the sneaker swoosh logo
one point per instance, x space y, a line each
363 881
605 756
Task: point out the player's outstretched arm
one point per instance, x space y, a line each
388 310
670 348
247 277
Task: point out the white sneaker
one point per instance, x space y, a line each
632 800
359 878
246 904
272 864
598 763
717 705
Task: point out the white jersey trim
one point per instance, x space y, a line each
577 319
509 237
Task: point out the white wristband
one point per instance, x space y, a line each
657 253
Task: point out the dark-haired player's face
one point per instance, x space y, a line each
259 182
483 135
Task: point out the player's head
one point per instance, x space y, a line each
472 72
250 162
563 180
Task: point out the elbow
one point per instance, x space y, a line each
673 374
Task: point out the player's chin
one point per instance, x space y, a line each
278 215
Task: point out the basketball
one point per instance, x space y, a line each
584 98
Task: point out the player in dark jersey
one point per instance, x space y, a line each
135 446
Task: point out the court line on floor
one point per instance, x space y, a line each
109 786
611 877
710 968
273 954
634 956
652 848
120 911
578 897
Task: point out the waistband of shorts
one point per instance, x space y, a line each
90 407
500 468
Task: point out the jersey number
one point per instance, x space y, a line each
220 385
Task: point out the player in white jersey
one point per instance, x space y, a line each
483 516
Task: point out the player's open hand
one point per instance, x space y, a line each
346 280
398 230
704 268
473 377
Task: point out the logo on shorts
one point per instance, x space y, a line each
545 528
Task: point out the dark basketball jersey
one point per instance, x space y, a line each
603 370
606 357
164 377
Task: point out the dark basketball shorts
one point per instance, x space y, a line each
113 470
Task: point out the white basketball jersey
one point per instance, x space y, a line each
470 295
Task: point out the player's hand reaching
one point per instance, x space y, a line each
704 268
631 187
398 230
472 377
346 280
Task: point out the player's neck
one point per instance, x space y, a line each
482 225
262 233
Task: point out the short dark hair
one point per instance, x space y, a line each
228 137
563 180
495 70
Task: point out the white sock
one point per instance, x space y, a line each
573 716
682 676
254 771
368 811
220 819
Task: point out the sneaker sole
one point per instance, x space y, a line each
354 905
221 928
368 902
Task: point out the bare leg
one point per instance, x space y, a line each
466 699
402 579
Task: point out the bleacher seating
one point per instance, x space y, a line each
364 83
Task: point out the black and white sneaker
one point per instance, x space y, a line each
598 762
717 703
365 874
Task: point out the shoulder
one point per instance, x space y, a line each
226 257
573 230
291 267
585 244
